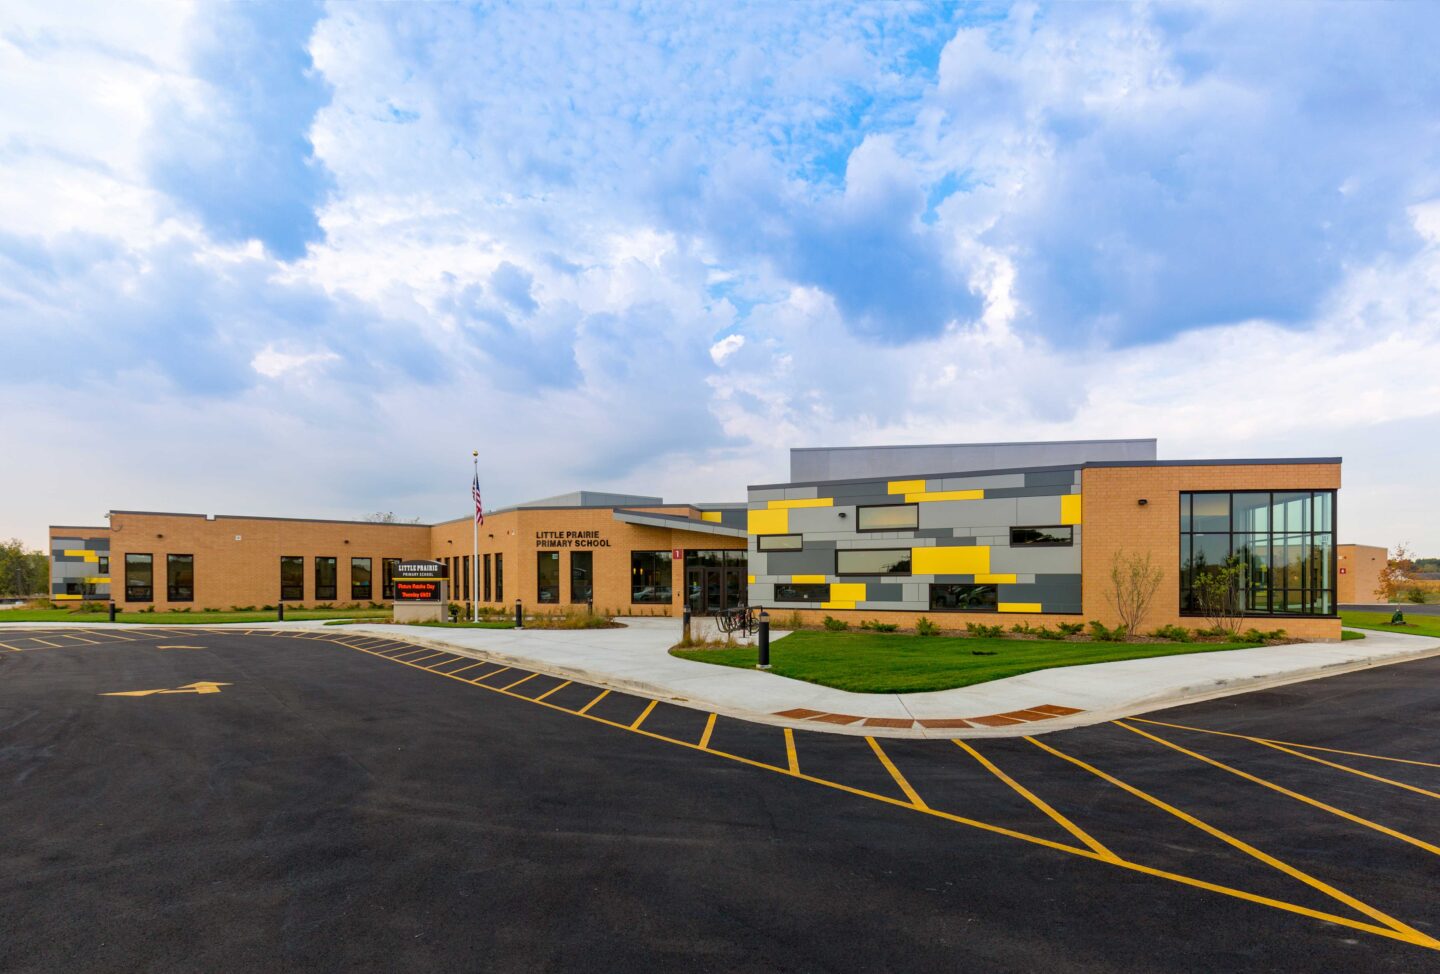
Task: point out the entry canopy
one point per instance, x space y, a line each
421 569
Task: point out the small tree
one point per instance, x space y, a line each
1396 573
1220 593
1134 580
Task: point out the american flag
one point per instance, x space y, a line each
475 492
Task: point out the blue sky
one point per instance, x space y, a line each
302 258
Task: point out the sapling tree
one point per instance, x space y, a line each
1134 580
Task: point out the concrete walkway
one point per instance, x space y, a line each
635 659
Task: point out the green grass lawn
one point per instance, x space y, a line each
187 618
1347 635
1416 624
885 663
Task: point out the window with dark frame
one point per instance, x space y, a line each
872 561
802 592
465 593
582 576
499 577
547 577
292 578
650 575
387 577
888 517
964 598
326 581
486 594
1284 539
782 542
180 578
362 581
1057 536
139 577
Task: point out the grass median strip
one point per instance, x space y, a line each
1415 624
900 663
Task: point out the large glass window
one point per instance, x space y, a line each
803 592
888 517
387 577
466 593
650 576
782 542
873 561
139 578
1062 536
326 585
362 582
292 578
499 577
485 596
582 577
547 576
1284 540
965 598
180 578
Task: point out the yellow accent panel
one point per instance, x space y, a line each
1020 607
803 502
907 486
768 522
752 579
96 580
995 579
807 579
85 553
67 598
921 497
967 560
1070 509
712 516
848 591
837 605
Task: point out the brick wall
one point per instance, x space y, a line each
1359 578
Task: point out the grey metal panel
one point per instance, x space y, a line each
761 593
965 514
884 592
896 462
756 561
946 533
762 495
1055 588
853 542
987 482
800 493
1049 490
803 520
1043 478
1040 561
917 592
895 606
1038 511
734 518
859 488
810 561
966 539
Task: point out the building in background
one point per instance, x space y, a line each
1358 577
79 563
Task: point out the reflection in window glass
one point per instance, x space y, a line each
782 542
965 598
582 578
387 577
1054 537
650 576
873 561
139 578
890 517
180 578
1210 512
325 579
804 592
362 587
292 578
547 577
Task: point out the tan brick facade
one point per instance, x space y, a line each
1358 580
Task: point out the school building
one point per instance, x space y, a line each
1027 532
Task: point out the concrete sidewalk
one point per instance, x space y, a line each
635 659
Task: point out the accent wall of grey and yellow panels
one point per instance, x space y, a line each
79 568
990 542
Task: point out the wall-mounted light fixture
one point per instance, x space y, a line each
843 514
1143 502
159 535
347 540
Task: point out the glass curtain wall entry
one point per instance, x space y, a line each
547 577
582 578
650 576
292 578
1285 541
326 583
139 578
180 578
362 587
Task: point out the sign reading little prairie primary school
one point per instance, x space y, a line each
570 539
420 581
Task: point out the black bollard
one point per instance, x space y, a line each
519 615
685 625
764 641
280 611
112 611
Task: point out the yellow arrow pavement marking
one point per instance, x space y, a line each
202 687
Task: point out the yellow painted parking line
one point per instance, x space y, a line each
1402 930
790 755
709 729
552 690
511 686
1344 767
1348 816
412 652
44 642
478 679
1036 800
464 668
586 709
1268 740
914 804
904 785
88 642
635 725
421 659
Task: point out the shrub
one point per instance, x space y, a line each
1176 634
1021 628
1071 628
1045 632
1415 595
247 608
267 608
1100 633
793 622
325 607
209 610
835 625
1275 635
1213 632
1253 635
924 627
875 625
983 631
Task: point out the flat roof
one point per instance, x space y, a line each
267 517
1264 461
947 446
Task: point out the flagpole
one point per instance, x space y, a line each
475 549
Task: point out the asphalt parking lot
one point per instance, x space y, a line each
222 801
